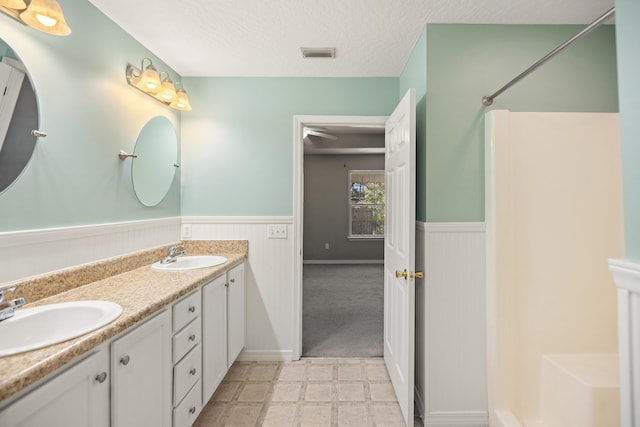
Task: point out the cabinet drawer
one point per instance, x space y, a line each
186 339
186 374
186 310
185 414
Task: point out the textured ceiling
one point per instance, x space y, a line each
263 37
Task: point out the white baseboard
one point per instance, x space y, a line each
457 419
343 261
265 356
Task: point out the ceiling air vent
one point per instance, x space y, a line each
318 52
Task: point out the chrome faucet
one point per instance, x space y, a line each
174 253
7 308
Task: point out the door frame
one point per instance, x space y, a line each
299 121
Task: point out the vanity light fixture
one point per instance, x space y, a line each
144 78
157 85
182 100
167 92
43 15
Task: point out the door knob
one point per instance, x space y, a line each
400 274
416 275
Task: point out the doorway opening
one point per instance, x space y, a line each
339 222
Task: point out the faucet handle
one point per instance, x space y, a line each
17 303
9 288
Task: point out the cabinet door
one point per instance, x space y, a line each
141 370
78 397
214 335
235 313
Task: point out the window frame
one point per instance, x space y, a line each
350 235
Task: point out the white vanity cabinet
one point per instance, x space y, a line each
160 372
214 335
235 313
141 375
223 327
187 359
77 397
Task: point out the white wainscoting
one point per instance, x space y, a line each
31 252
269 280
626 275
451 384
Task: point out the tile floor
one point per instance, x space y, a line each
308 392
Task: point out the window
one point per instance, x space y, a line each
366 204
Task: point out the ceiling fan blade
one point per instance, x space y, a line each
321 134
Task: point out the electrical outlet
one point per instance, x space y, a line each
277 231
326 246
186 231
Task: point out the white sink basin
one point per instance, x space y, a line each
191 262
37 327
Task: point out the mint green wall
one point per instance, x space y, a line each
628 39
237 143
466 62
414 75
90 113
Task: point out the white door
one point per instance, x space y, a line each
399 251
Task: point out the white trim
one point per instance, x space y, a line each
264 356
237 220
451 227
27 237
457 419
626 274
343 261
342 151
299 121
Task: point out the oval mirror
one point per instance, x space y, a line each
154 167
18 117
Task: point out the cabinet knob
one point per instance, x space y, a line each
101 377
192 410
192 371
226 285
192 309
192 337
124 360
233 280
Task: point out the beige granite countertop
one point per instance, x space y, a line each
141 291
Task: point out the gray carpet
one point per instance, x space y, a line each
343 310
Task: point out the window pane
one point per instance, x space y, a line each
367 203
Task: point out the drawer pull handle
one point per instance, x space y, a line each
192 337
124 360
192 410
192 309
101 377
192 371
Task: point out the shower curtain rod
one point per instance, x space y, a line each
488 100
